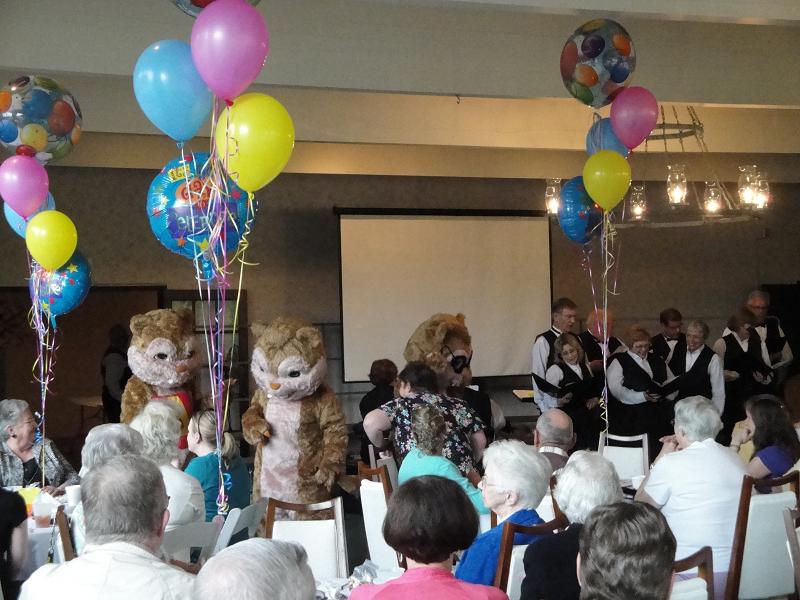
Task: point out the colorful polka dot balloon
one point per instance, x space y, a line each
597 62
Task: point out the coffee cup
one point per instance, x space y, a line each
73 493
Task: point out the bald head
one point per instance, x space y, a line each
554 428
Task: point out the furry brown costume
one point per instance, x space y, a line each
435 341
162 358
294 419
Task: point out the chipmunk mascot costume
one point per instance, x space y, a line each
294 422
444 344
162 358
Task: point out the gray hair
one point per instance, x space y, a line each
758 294
10 414
124 501
551 434
586 481
161 430
698 418
517 467
698 324
107 441
254 569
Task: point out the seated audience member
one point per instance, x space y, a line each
626 551
256 569
744 362
635 378
517 478
103 443
553 437
594 343
13 542
570 372
696 483
478 401
202 441
671 336
125 504
382 375
161 430
417 385
22 457
588 480
774 437
697 367
427 520
425 457
563 314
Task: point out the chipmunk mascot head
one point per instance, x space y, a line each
162 358
444 344
294 420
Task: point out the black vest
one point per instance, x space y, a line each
592 348
126 374
636 378
774 340
744 363
551 337
660 347
697 381
582 389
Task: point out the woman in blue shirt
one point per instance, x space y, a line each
205 467
775 441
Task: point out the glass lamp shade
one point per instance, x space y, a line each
748 185
713 202
552 195
638 202
676 185
762 193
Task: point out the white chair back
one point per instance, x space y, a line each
767 567
516 572
629 461
485 522
373 506
228 529
689 589
545 509
391 466
179 541
251 517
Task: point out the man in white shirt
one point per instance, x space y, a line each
564 313
554 437
671 336
698 367
125 507
696 483
771 333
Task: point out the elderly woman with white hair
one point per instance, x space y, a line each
161 430
103 443
514 483
24 461
696 484
588 480
256 569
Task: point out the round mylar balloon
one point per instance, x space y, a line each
39 118
51 238
179 208
601 136
597 62
607 177
17 223
63 289
578 216
193 7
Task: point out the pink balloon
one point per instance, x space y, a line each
634 114
229 46
23 184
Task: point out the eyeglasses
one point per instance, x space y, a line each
484 483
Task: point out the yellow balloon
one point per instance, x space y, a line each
34 136
51 238
256 137
607 177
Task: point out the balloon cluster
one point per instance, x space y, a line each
597 63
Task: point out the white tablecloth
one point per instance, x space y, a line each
38 547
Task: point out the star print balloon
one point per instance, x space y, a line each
578 215
178 206
63 289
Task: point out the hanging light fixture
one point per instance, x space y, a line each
552 195
762 193
748 185
676 185
713 202
638 202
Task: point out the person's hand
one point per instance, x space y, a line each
759 377
592 402
49 489
386 454
192 568
325 478
651 397
565 399
741 434
669 445
730 375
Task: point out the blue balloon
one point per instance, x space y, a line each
63 289
578 216
602 137
170 90
177 206
8 131
17 223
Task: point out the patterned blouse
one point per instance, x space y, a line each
57 471
461 422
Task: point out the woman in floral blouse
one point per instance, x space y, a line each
23 460
465 439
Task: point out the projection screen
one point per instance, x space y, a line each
398 270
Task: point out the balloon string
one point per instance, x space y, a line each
604 238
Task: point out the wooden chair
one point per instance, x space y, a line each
689 589
378 474
759 566
323 540
791 520
629 461
67 550
510 570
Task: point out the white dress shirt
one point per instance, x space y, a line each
786 351
719 348
714 373
625 395
186 500
555 376
539 354
117 570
